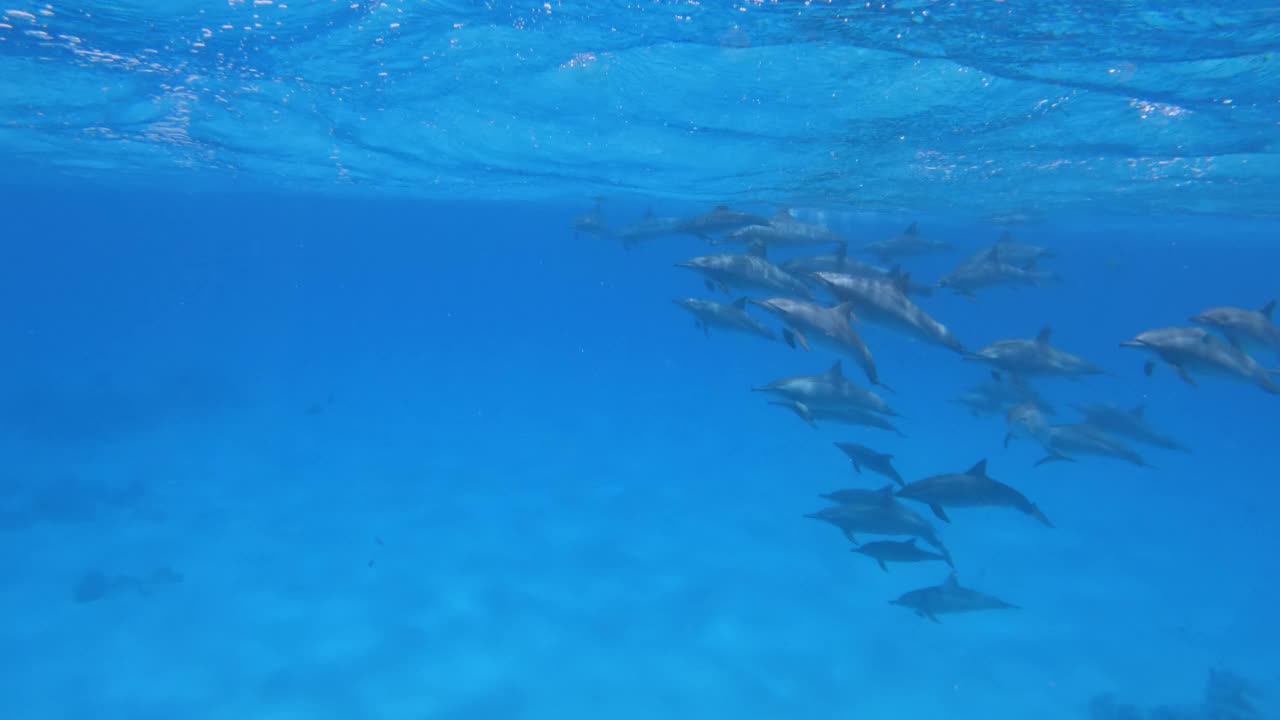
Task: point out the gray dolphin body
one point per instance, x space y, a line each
885 303
1026 358
907 244
830 390
720 220
731 317
1244 328
840 262
948 598
784 230
999 394
989 271
752 271
592 223
898 551
836 414
877 462
649 228
1022 255
973 488
883 515
1188 349
827 325
1130 423
1060 442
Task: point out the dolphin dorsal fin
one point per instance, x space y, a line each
1046 332
845 309
978 470
1005 237
758 249
837 370
1138 410
952 581
1267 309
993 254
911 230
741 303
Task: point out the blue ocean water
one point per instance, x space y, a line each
316 405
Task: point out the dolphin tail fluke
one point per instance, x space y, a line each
1182 373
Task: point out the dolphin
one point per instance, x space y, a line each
1020 254
752 271
887 551
784 230
973 488
1194 348
1130 423
1034 358
859 496
1244 328
949 597
731 317
719 220
1060 442
906 244
836 414
998 394
649 227
884 302
828 325
829 390
884 515
877 462
592 223
840 262
991 270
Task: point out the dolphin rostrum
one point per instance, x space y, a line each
973 488
949 597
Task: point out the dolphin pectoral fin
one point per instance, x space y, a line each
1053 457
857 467
929 616
708 284
790 338
724 288
884 386
1148 368
937 510
1035 513
803 343
883 566
1182 373
849 534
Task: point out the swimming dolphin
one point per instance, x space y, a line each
1060 442
592 223
887 551
784 230
998 394
859 496
907 244
752 271
877 462
828 325
829 390
1194 348
949 597
1034 358
718 221
840 262
845 415
973 488
884 302
1020 254
885 515
1244 328
1126 422
991 270
649 227
731 317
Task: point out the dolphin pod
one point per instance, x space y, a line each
821 303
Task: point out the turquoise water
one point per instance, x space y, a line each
315 404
